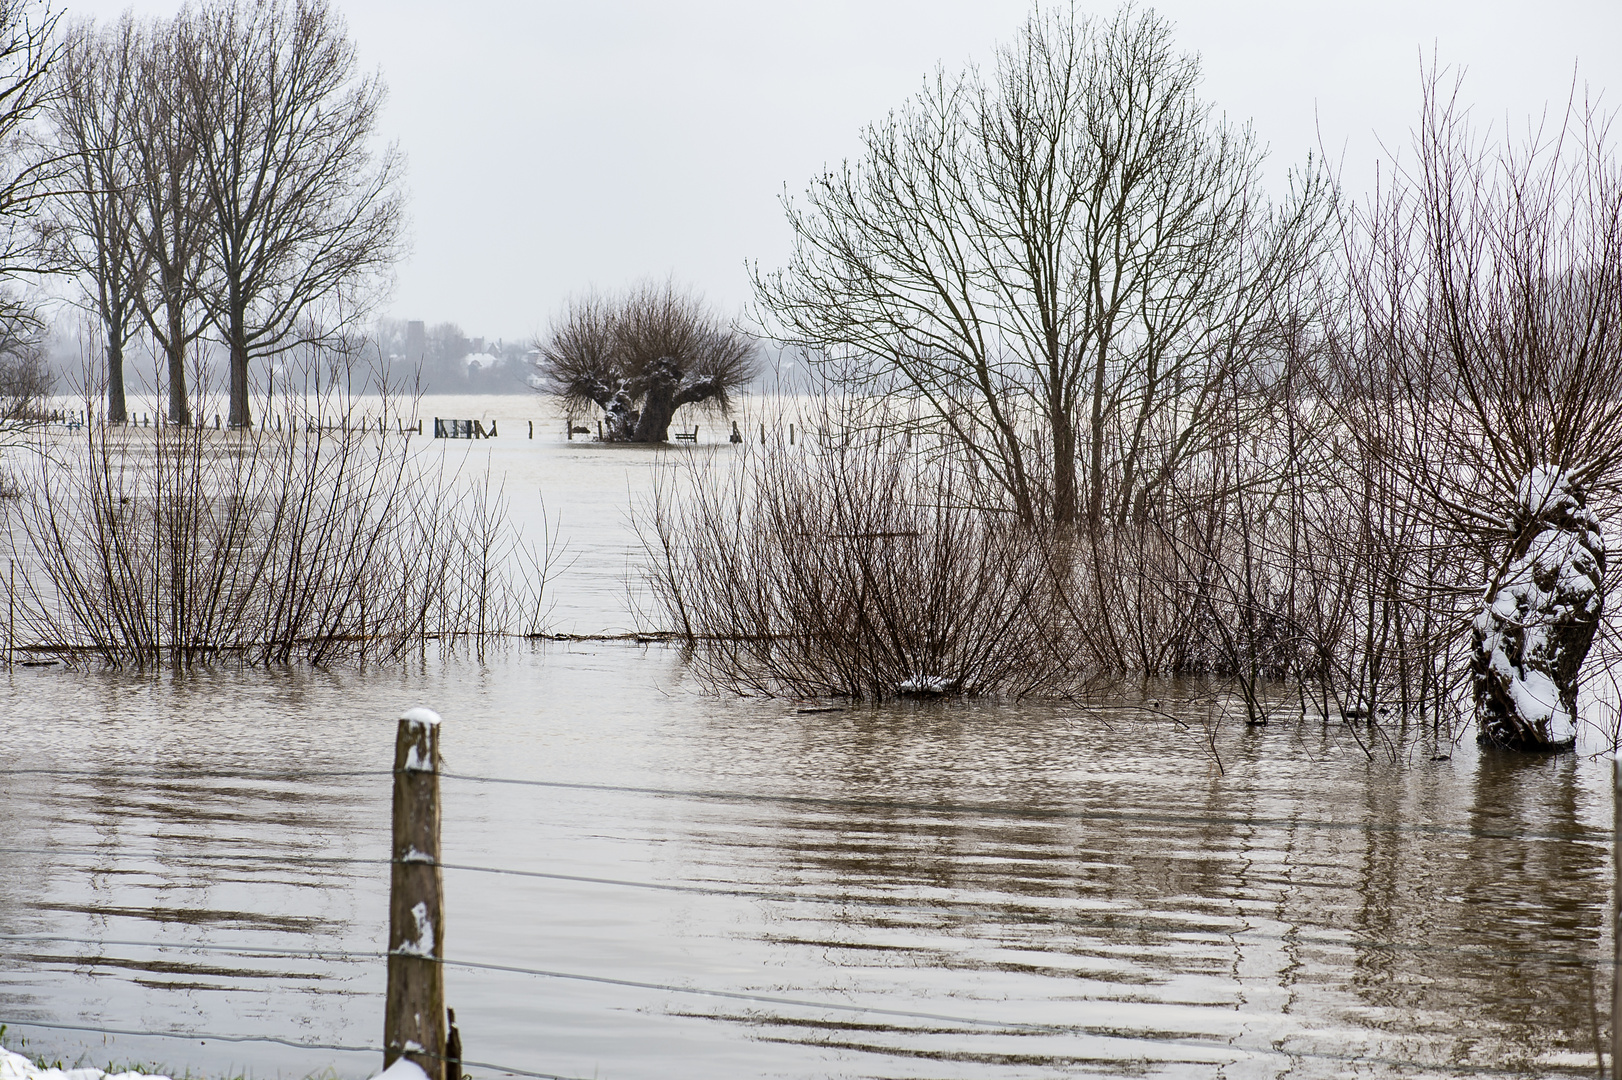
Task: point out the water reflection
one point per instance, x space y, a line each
980 891
1392 914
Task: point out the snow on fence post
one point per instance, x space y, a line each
414 1017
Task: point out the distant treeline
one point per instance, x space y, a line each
444 360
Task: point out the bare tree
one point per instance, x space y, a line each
28 50
643 354
1480 373
306 217
166 204
86 229
1065 260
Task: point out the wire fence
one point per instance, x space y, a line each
1074 916
980 810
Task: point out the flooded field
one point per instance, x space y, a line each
648 882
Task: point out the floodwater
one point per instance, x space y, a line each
647 882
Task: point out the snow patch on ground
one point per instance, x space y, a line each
16 1067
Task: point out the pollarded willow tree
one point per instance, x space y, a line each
1069 261
642 354
1480 370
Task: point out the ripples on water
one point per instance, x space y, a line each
986 891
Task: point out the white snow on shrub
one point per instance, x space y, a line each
924 684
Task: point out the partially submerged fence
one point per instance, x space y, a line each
462 429
418 1027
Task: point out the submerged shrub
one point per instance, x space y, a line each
174 544
856 568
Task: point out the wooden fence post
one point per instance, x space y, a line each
414 1017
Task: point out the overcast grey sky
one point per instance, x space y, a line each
553 146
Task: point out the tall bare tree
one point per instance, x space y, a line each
171 221
1071 244
86 229
307 218
28 50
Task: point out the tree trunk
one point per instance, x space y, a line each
1064 467
619 412
666 388
240 416
658 408
175 351
1095 462
117 411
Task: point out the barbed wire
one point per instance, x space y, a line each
1022 912
199 856
1582 832
352 955
1579 832
1029 914
114 772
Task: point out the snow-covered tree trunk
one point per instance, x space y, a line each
640 409
667 388
620 414
1538 619
661 383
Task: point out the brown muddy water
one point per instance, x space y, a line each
681 886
